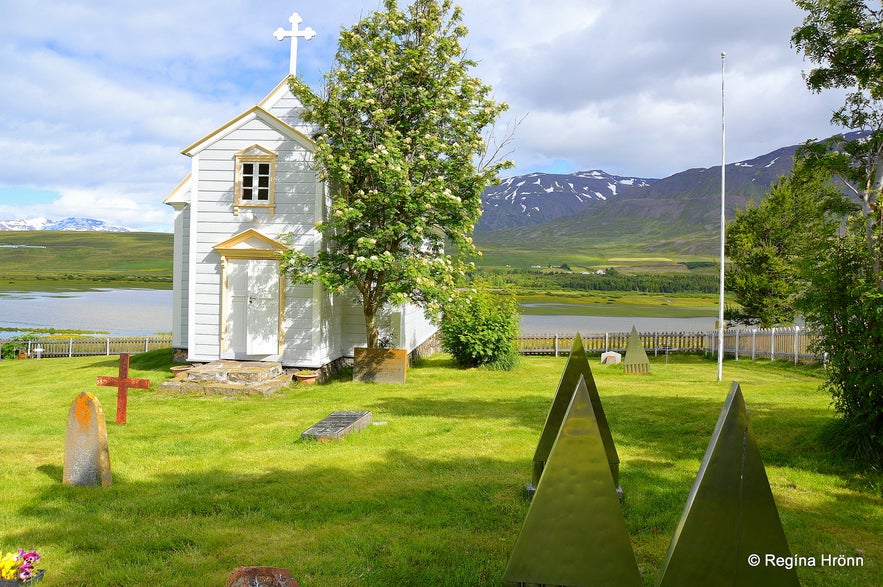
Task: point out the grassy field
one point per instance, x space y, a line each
103 256
614 303
431 495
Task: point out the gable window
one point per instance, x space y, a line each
255 179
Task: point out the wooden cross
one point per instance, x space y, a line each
280 34
123 383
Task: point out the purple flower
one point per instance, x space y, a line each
25 571
30 557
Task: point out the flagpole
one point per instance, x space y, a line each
720 319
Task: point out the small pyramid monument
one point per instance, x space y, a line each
577 368
635 360
730 514
574 532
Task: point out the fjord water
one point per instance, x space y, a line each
144 311
116 311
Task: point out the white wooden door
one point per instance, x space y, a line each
252 307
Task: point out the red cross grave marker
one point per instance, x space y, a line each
123 383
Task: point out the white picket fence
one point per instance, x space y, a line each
84 347
791 343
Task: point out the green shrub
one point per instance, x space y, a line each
479 327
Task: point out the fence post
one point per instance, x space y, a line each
107 347
796 341
70 348
737 344
606 342
556 345
773 343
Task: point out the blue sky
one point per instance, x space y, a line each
100 98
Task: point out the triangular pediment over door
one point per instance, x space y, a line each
252 297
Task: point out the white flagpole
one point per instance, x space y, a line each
720 323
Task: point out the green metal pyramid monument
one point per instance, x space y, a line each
730 515
635 360
574 532
577 368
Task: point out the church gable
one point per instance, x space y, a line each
246 120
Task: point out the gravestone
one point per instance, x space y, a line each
123 383
380 365
611 358
576 369
636 360
86 455
337 425
574 532
730 516
261 577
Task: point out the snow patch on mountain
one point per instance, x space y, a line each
73 224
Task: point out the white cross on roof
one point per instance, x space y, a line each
280 34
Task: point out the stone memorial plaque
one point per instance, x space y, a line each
380 365
86 455
337 425
261 577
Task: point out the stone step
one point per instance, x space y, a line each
231 378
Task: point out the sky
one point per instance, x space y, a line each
100 98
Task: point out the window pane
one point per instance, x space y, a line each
264 194
246 193
248 168
264 169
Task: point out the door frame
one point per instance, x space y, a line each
249 245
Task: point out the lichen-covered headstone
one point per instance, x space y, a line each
636 360
86 455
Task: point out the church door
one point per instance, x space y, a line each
252 308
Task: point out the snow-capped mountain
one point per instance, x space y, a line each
74 224
539 197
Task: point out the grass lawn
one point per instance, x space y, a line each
432 495
618 303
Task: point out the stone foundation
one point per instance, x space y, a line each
231 378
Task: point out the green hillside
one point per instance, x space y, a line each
102 256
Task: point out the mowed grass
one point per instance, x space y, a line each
430 495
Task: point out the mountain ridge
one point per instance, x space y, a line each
72 224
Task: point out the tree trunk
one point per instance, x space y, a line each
371 326
875 226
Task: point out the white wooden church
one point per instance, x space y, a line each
252 182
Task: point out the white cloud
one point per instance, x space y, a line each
99 100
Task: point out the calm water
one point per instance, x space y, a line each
119 312
140 312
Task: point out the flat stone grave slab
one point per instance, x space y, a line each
337 425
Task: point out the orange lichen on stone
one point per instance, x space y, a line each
83 414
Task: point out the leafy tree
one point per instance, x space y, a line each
479 326
766 243
401 146
844 302
845 307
